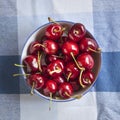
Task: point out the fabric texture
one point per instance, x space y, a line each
19 18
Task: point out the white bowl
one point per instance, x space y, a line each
37 34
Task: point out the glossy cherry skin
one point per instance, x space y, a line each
59 79
56 68
87 78
54 31
36 78
50 87
50 47
65 90
34 47
87 43
77 32
70 47
86 61
31 64
71 68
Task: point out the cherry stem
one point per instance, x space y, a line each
80 78
50 103
32 89
63 29
18 65
14 75
76 96
96 51
69 75
57 70
39 45
81 68
39 61
88 80
51 20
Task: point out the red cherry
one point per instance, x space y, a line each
51 58
65 90
86 61
86 79
54 31
31 64
77 32
70 47
88 45
59 79
34 47
71 71
50 47
44 71
37 79
50 87
75 85
55 68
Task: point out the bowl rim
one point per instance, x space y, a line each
36 91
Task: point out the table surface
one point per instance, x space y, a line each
19 18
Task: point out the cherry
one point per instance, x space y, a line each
86 61
75 85
70 47
65 90
50 47
89 45
54 31
31 64
59 79
36 80
62 40
51 58
34 47
86 79
50 87
71 71
55 68
77 32
44 71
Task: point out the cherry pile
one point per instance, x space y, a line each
61 62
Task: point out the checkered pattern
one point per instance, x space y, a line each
18 18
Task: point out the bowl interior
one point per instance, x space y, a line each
38 34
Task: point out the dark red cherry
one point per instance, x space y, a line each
31 64
88 45
54 31
50 47
86 61
34 47
44 71
65 90
77 32
67 59
59 79
50 87
62 40
86 79
37 79
56 68
51 58
75 85
70 47
71 71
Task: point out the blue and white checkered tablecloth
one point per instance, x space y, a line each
18 18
